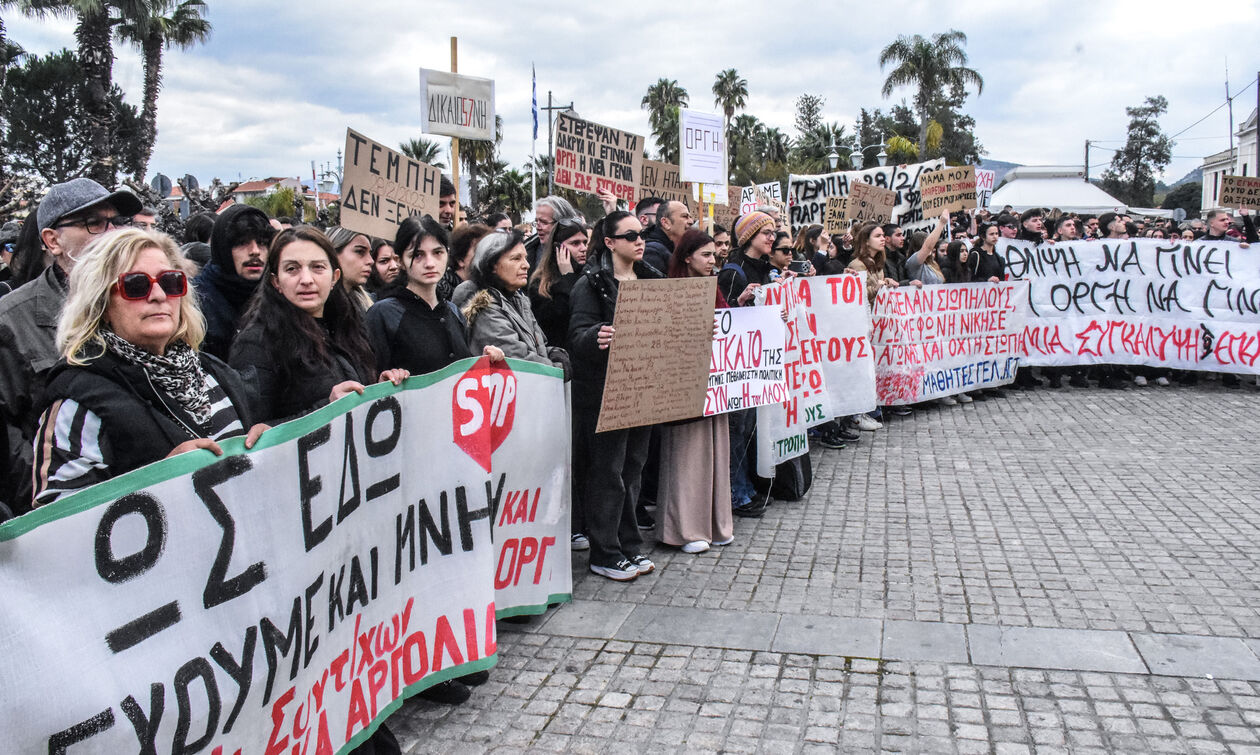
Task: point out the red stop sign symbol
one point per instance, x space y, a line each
482 409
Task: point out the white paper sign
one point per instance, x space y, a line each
984 187
807 195
746 369
702 146
455 105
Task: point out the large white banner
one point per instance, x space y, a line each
288 598
807 195
839 322
941 340
1192 305
455 105
746 367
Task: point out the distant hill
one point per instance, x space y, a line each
1191 177
999 167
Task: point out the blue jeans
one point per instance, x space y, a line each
743 424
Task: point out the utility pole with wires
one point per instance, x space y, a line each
1230 102
1086 161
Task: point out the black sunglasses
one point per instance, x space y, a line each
137 286
97 224
631 236
783 249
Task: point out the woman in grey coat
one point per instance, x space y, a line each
495 302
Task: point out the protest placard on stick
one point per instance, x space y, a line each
456 105
381 187
1240 192
658 365
952 188
984 187
702 147
833 217
591 157
869 203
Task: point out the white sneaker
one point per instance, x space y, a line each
865 422
727 541
642 563
947 401
1162 381
578 542
1140 380
695 546
624 571
963 398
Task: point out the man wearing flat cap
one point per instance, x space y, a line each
70 217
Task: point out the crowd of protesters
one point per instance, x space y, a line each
120 347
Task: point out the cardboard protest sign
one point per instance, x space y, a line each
839 324
952 188
290 597
869 203
761 195
746 367
661 180
382 187
592 158
807 195
455 105
702 147
1190 306
1240 192
834 220
941 340
984 187
658 365
781 427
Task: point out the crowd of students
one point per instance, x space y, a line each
119 347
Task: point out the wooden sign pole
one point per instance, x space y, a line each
455 139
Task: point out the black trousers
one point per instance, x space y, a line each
613 475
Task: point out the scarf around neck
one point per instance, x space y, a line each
178 372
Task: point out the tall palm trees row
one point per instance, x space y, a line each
153 26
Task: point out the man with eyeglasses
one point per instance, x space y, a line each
70 217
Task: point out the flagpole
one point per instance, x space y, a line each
533 150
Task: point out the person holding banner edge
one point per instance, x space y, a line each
303 344
614 460
132 386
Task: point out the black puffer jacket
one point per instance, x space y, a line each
592 305
222 293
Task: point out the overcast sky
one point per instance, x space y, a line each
277 85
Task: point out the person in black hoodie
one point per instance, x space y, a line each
302 344
610 462
238 247
413 326
131 386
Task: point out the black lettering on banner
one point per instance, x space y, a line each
493 500
309 486
466 517
350 461
115 570
441 537
312 642
273 640
146 726
357 591
404 535
58 743
378 448
335 606
242 673
197 668
219 590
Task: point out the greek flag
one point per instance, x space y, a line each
534 76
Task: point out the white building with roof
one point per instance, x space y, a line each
1243 161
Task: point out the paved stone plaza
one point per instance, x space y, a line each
1056 571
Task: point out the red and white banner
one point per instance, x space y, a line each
287 599
839 323
746 369
1182 305
941 340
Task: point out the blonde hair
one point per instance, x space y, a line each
94 276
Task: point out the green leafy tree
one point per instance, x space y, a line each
426 151
730 92
508 191
164 24
1131 177
282 202
929 66
47 135
1187 196
813 149
662 101
747 135
478 157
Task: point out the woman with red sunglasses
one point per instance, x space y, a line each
132 386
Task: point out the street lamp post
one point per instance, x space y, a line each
833 157
882 156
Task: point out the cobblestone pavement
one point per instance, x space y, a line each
1055 571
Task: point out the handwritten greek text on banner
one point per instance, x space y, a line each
1193 305
288 598
940 340
807 195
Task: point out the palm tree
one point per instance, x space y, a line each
167 24
475 153
730 93
424 150
662 101
774 146
93 32
930 67
508 192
